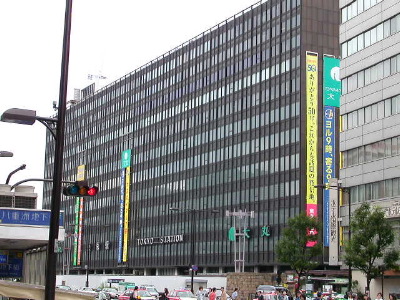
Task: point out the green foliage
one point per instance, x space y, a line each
371 236
292 248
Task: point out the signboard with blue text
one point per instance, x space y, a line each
329 171
15 216
11 265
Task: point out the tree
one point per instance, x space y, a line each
294 246
368 248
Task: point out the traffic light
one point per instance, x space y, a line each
80 189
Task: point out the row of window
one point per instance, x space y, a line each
249 147
372 36
357 7
245 172
372 74
243 26
205 137
375 190
103 133
370 113
213 95
371 152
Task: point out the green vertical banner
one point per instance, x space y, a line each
331 85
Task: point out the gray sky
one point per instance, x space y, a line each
109 38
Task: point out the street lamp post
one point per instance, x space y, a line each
192 238
347 191
28 117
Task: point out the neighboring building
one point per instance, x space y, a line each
23 234
218 123
370 106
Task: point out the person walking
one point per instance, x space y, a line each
235 294
379 296
213 294
134 295
260 296
200 295
224 295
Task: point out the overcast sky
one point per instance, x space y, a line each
109 38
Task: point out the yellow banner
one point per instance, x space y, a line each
312 129
126 213
80 176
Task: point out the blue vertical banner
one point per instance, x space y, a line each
329 171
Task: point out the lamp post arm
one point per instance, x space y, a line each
37 179
48 127
15 171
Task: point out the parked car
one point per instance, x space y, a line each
143 294
181 294
114 293
151 289
88 290
103 296
63 287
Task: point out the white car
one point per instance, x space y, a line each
88 290
112 291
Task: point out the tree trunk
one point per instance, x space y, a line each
368 282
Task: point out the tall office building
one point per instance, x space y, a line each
228 121
370 72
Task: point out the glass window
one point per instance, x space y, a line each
361 117
379 71
344 86
360 6
374 73
386 28
388 110
360 42
374 112
367 4
388 147
344 49
368 114
344 14
386 68
368 152
367 38
381 110
393 65
379 32
367 76
393 25
360 79
361 193
395 148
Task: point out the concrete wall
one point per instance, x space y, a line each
247 282
160 282
34 266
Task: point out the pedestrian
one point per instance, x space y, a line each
200 293
224 295
213 294
319 296
303 297
165 294
134 295
260 296
391 297
379 296
235 294
298 294
366 297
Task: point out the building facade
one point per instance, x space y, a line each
218 124
370 140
